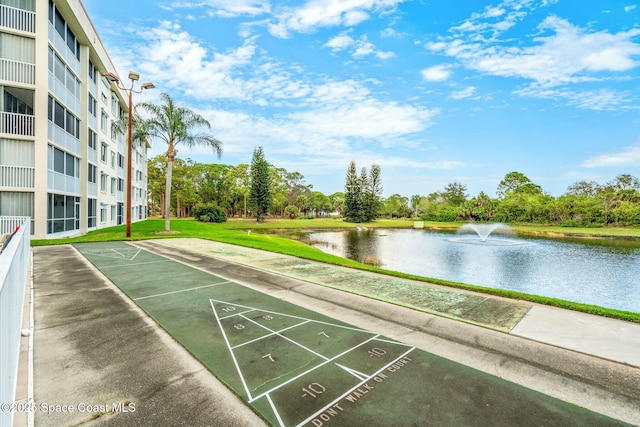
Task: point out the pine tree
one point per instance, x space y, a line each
260 196
373 193
352 195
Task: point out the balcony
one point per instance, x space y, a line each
17 176
17 19
19 72
17 124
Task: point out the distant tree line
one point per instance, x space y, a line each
517 200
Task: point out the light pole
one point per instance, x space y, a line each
133 76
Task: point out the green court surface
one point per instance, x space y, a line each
296 367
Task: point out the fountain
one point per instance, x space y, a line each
481 233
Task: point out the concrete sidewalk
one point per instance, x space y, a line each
94 346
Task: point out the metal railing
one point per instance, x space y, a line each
17 19
17 176
16 124
14 265
16 71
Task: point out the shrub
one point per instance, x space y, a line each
291 211
209 212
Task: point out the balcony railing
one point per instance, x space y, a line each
19 72
18 19
16 124
17 176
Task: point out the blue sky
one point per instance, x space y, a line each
434 91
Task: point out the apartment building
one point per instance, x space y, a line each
62 161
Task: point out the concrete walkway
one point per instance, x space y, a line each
94 346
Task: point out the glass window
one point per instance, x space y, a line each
70 165
91 212
92 171
59 115
60 24
92 139
58 160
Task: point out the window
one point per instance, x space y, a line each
103 213
103 152
57 20
113 159
92 139
120 160
93 106
113 212
91 209
104 120
63 118
63 162
120 185
62 213
93 74
114 184
103 182
92 171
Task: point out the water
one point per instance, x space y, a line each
590 271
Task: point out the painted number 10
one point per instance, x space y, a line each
313 390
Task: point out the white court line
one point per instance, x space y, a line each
288 339
271 334
102 267
233 356
275 411
236 314
182 290
313 369
321 410
351 328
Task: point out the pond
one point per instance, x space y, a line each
602 272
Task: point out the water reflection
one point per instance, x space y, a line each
592 271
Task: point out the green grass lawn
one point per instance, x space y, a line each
246 232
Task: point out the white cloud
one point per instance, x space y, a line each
227 8
340 42
437 73
630 8
467 92
629 156
361 47
389 33
562 54
326 13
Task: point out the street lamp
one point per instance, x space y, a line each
133 76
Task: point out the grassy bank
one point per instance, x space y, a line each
243 233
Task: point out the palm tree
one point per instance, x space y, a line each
175 125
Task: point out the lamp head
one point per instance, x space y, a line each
134 76
148 85
111 76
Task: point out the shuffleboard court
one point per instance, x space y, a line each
296 367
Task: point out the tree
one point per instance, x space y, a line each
260 195
512 183
175 125
455 193
353 195
373 193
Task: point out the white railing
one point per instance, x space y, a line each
16 124
14 266
16 71
17 176
17 19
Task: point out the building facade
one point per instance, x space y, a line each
62 160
